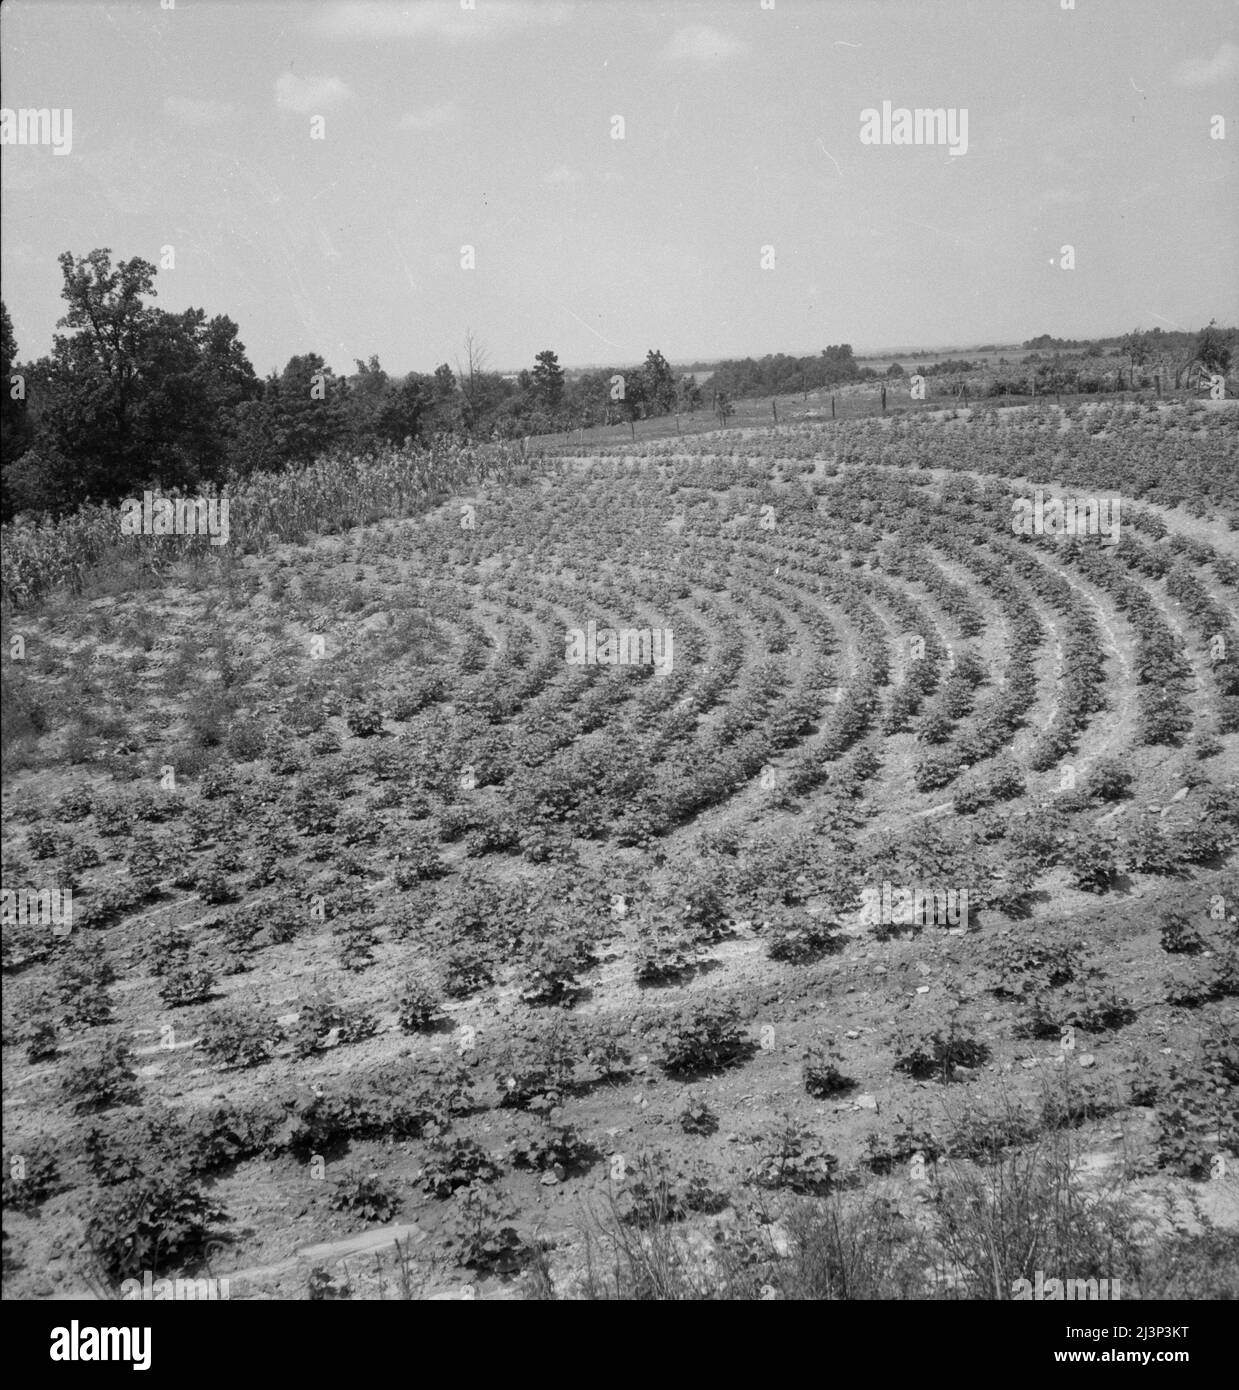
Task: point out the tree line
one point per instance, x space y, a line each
133 395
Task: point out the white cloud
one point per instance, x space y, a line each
444 19
306 95
195 112
1204 72
432 118
701 45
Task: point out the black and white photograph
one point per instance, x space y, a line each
620 655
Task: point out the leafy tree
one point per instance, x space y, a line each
547 384
1213 347
132 395
689 393
16 429
659 383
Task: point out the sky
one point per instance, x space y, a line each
740 213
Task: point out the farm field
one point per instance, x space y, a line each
410 956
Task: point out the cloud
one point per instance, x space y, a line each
1204 72
432 118
310 94
701 45
443 19
197 113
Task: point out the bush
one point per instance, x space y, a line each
821 1073
365 1195
103 1078
465 972
703 1037
698 1118
1108 780
419 862
1178 937
186 984
235 1037
793 1160
479 1225
662 960
556 1148
319 1016
31 1175
800 938
40 1037
151 1224
421 1009
552 975
939 1055
457 1163
364 721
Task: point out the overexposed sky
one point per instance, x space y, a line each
493 127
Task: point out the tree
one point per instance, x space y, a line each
444 383
309 408
689 393
547 382
659 383
16 428
130 395
1213 347
470 374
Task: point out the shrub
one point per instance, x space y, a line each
552 975
556 1148
1178 937
235 1037
213 886
364 720
800 938
457 1163
150 1224
31 1175
793 1160
662 960
1028 965
821 1073
465 972
319 1016
421 1009
479 1225
698 1118
419 861
1108 780
103 1078
186 984
40 1036
939 1055
365 1195
703 1037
